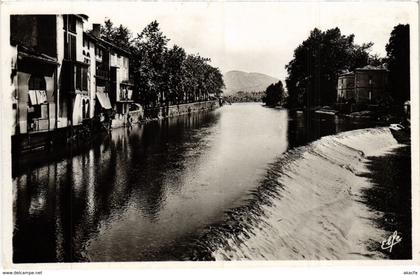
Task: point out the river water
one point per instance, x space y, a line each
240 182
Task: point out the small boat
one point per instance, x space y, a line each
401 133
326 110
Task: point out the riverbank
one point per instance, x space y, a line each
390 195
180 109
64 142
91 128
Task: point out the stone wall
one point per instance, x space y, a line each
181 109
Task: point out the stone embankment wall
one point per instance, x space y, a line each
181 109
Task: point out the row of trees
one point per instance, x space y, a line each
162 74
318 61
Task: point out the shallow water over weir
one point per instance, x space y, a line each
310 205
240 182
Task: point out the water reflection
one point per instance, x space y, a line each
304 128
141 192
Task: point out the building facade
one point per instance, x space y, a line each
74 92
64 78
34 73
363 86
110 68
345 87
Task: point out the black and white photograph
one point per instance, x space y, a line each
164 132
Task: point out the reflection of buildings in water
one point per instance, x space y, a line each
60 206
91 185
34 208
307 128
304 128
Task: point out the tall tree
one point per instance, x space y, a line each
174 73
149 48
107 30
120 36
161 74
398 59
313 71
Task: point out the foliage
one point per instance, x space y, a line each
161 74
245 97
148 51
317 62
274 94
398 60
174 73
120 36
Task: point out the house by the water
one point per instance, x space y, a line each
364 86
64 80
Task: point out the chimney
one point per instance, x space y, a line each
96 30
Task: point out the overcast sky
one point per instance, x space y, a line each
256 37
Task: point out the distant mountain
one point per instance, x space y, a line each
236 81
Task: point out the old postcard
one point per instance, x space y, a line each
162 133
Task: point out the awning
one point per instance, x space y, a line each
103 98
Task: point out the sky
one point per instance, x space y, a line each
255 36
259 37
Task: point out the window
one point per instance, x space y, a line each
85 108
86 43
78 78
84 79
98 52
37 104
37 83
81 78
69 46
70 23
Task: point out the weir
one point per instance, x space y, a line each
308 206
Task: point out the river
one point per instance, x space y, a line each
199 187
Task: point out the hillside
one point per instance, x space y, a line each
236 81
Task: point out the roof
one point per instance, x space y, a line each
34 54
371 68
83 16
346 74
105 43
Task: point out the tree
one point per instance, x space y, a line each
201 79
274 94
194 76
398 60
107 30
162 74
376 60
120 36
148 50
174 73
316 64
